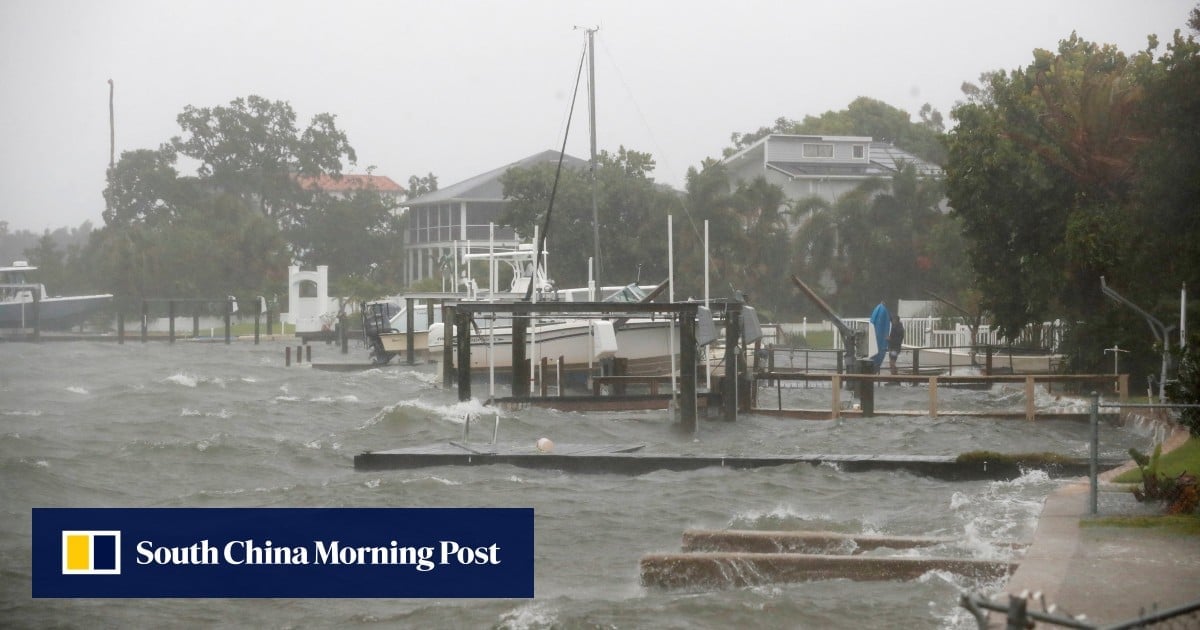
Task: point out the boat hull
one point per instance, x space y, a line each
53 312
643 347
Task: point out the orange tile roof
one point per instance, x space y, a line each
349 182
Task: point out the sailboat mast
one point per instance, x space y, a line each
591 33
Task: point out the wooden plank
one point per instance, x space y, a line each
735 570
753 541
627 459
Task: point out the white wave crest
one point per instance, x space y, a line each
75 389
455 413
532 615
181 378
22 412
429 378
441 480
779 512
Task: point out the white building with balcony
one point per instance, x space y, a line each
461 213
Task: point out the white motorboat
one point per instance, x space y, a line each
18 294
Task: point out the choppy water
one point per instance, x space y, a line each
208 425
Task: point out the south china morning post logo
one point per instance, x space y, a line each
283 552
91 552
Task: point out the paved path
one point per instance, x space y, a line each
1109 574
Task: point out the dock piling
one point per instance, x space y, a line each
462 321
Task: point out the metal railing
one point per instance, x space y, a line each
1017 614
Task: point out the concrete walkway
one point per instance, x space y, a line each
1109 574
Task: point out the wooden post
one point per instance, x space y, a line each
145 319
343 333
171 316
987 361
257 318
409 325
687 375
1029 402
270 323
37 314
866 395
558 376
916 367
1123 387
933 402
836 385
733 330
195 320
228 319
120 327
308 353
287 357
448 319
463 321
520 365
542 382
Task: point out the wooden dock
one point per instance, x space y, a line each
738 558
630 459
735 570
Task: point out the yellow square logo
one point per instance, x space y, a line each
91 552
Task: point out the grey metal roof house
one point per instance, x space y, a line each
822 166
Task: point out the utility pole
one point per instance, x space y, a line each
591 33
112 133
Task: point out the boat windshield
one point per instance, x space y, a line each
632 293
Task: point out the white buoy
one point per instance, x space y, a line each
545 445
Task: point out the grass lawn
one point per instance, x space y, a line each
1184 458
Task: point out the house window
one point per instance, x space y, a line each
859 151
818 150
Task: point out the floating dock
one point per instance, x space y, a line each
630 459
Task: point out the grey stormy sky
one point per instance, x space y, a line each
460 87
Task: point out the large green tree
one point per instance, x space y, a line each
252 148
357 235
143 187
223 230
217 247
1077 166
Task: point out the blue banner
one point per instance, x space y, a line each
283 552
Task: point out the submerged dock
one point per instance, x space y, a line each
738 558
630 459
